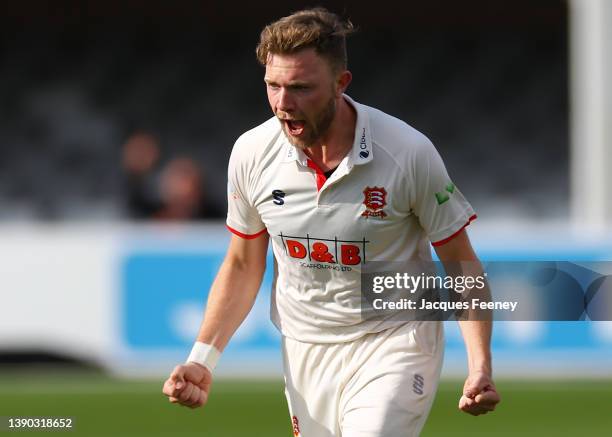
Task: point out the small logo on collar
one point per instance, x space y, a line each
375 200
363 145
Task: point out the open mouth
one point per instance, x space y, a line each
295 127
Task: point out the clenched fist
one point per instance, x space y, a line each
188 385
479 395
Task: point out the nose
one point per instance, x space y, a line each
285 101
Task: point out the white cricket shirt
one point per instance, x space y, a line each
386 201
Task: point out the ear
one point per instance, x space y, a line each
342 82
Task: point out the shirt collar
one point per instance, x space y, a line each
292 153
361 152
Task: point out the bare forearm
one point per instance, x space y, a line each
479 393
477 338
231 298
476 325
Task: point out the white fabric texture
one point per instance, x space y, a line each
381 385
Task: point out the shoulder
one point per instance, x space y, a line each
259 136
392 133
398 139
258 142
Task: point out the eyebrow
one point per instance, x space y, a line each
290 84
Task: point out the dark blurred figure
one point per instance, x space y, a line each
175 191
141 154
182 192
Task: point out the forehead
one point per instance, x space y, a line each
303 65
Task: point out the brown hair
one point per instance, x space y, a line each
309 28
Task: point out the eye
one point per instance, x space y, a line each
273 86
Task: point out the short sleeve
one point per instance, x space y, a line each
441 208
243 219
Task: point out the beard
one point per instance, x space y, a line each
314 132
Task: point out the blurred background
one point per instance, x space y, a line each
117 119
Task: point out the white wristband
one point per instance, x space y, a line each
205 354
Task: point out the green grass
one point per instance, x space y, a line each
108 407
529 408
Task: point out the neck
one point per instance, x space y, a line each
338 140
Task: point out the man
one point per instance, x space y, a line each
335 184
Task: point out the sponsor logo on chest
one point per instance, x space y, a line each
325 250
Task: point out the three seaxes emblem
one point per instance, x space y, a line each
375 200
